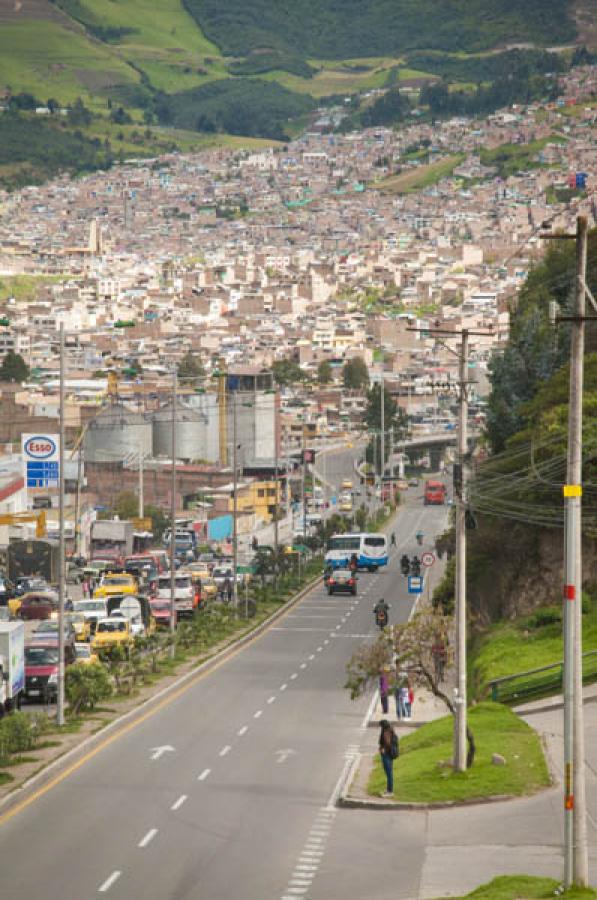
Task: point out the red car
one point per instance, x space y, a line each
160 609
41 668
38 606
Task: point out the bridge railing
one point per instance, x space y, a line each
539 682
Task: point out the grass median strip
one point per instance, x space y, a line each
422 773
525 887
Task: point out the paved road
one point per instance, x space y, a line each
243 803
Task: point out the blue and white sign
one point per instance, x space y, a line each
41 458
415 584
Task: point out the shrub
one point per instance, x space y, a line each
18 733
85 686
548 615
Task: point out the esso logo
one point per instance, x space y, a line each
40 447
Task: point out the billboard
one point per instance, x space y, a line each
40 454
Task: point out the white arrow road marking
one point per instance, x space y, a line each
284 754
157 752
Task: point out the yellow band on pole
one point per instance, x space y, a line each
572 490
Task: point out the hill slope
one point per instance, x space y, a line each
330 29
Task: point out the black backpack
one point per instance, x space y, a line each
394 747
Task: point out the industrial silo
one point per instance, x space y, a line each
196 432
116 434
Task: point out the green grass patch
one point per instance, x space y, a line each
421 177
525 887
511 158
26 287
6 778
527 643
419 779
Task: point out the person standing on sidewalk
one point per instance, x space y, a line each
388 750
411 700
384 690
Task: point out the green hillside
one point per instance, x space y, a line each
156 75
334 30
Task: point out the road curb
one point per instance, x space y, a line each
348 802
87 745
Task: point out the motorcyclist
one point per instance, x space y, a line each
381 610
353 563
416 565
405 564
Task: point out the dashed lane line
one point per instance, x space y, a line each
203 775
112 879
226 749
148 838
242 730
178 803
258 714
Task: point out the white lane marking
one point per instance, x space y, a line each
258 714
242 730
293 676
225 750
370 709
303 665
319 649
300 882
283 687
305 868
203 775
179 802
312 656
311 853
109 882
338 627
327 640
271 699
148 837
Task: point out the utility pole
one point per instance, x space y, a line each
460 717
276 488
173 517
575 804
141 502
61 542
460 577
382 445
234 503
304 490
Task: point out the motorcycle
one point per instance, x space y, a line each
416 566
381 618
405 565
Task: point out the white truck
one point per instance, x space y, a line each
12 665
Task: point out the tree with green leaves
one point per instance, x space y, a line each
288 371
324 372
14 368
190 366
355 374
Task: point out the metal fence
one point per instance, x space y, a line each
539 682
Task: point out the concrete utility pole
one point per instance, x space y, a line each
276 488
460 577
382 445
304 488
173 516
575 807
141 501
61 542
234 503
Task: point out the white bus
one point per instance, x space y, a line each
371 550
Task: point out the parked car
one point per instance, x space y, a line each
116 583
93 610
161 612
41 605
84 654
341 580
81 625
50 627
112 632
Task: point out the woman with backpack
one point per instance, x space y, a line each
388 750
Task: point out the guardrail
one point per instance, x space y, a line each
539 682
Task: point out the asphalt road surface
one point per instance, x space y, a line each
228 788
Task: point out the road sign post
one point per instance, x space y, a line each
41 460
415 584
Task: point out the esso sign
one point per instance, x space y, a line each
40 447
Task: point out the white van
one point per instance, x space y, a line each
184 592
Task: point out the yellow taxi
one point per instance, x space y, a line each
85 655
209 589
81 625
114 583
113 631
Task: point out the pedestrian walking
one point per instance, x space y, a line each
229 589
439 653
411 700
388 750
399 682
85 586
403 701
384 690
